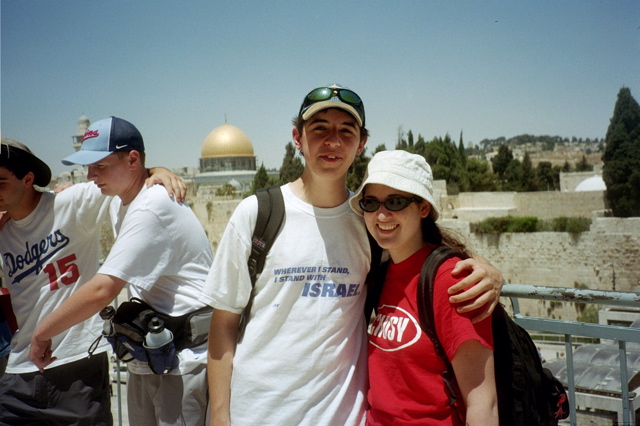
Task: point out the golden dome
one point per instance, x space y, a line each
226 141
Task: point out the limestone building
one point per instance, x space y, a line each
83 125
78 173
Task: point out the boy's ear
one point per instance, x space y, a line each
297 138
361 145
134 158
29 178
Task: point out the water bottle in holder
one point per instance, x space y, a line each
157 335
160 347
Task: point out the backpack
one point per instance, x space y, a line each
268 223
527 393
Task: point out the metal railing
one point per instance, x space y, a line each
570 329
573 332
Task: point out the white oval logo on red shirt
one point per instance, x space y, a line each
393 329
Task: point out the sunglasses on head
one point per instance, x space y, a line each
394 204
347 96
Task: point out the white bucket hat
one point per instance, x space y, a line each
399 170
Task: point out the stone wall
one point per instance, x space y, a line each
605 258
552 204
477 206
214 214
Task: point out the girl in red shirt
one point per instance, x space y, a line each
406 386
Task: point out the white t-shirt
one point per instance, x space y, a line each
303 357
47 256
161 250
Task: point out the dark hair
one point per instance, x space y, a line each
433 234
14 165
298 123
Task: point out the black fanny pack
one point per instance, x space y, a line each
130 325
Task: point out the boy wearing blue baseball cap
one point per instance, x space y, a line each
50 248
162 255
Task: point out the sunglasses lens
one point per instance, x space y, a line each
395 204
350 97
369 205
321 94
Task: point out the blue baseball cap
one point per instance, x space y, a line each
104 137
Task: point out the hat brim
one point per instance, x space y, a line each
85 158
42 172
22 154
319 106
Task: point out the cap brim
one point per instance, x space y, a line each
85 157
319 106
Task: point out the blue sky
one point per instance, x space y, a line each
176 68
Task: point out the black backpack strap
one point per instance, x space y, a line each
268 223
427 321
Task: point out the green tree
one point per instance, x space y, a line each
462 152
356 172
513 176
418 147
548 176
446 162
410 139
501 161
481 178
358 169
459 175
529 182
381 147
621 171
401 143
583 165
292 166
261 179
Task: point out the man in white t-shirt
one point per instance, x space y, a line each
302 359
162 253
50 247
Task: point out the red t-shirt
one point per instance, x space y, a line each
404 370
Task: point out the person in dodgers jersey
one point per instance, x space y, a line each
303 356
49 245
161 254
